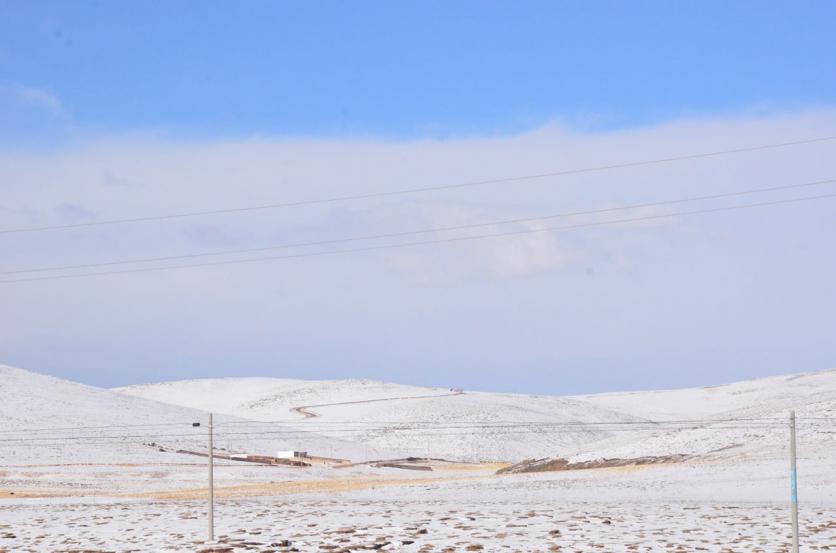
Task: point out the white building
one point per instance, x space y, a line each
291 454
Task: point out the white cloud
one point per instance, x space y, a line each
471 300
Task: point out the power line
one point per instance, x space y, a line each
304 424
433 241
440 431
104 427
197 438
412 426
404 426
434 427
403 191
424 231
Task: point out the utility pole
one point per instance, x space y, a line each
793 485
211 484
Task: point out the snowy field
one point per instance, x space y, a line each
418 524
688 507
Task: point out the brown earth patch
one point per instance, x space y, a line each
560 464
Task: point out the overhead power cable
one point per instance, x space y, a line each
431 241
406 426
113 427
306 424
403 427
309 423
424 231
286 436
439 431
370 195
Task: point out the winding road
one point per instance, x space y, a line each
305 410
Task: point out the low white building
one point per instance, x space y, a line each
291 454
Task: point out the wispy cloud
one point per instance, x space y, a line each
33 97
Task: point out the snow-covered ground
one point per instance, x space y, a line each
351 524
77 472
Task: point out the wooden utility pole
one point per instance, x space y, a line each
793 485
211 483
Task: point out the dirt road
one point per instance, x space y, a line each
305 410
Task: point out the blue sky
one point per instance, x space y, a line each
413 68
114 110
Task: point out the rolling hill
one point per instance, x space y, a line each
50 420
744 418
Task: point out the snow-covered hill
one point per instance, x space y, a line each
416 421
45 419
269 399
746 417
49 420
747 398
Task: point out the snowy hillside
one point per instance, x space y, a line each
46 420
271 398
750 397
744 419
742 422
418 421
479 425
